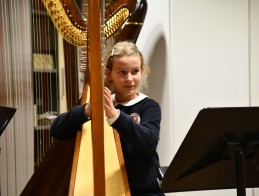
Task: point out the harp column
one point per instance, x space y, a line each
96 89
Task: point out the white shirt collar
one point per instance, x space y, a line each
140 97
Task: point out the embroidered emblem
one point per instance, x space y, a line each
135 117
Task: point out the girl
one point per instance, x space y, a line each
135 116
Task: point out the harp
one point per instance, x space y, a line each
59 179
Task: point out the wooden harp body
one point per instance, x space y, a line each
86 165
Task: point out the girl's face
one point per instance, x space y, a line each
126 77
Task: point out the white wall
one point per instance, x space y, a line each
254 58
154 42
199 54
254 48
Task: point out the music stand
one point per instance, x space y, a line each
6 115
220 151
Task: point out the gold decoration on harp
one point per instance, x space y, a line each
116 20
71 34
135 23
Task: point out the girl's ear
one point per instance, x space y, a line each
142 69
108 74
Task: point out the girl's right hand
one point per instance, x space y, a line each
109 109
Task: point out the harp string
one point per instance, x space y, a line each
25 72
34 43
5 78
15 90
6 95
18 72
38 76
45 78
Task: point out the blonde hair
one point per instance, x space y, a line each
127 48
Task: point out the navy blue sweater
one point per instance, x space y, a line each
138 139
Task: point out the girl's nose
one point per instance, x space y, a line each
128 78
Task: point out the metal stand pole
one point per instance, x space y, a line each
240 172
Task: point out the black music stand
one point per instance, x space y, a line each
220 151
6 115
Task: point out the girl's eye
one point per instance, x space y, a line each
122 72
135 71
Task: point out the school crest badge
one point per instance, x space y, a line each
135 117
